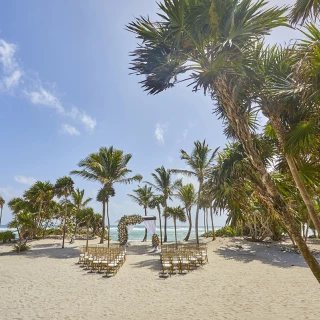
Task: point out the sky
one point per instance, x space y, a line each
65 91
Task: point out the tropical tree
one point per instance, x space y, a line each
103 196
187 195
158 201
64 188
143 196
108 166
305 9
199 161
176 213
213 43
86 216
164 184
39 194
2 202
78 203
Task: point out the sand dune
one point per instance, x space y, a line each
243 280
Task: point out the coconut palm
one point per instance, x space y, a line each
199 163
143 196
39 194
158 202
305 9
86 217
163 183
64 188
213 43
187 195
78 203
176 213
103 196
2 202
108 166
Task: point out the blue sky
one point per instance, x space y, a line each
65 91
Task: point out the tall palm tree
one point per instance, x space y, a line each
143 196
199 161
2 202
305 9
187 195
103 196
86 217
108 166
163 183
158 202
212 43
63 188
176 213
78 203
40 194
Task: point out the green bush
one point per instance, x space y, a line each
225 232
23 247
54 232
7 236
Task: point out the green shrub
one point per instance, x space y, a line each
224 232
7 236
54 232
23 247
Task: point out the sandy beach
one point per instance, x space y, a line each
243 280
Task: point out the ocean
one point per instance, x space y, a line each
137 233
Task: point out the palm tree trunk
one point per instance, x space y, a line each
207 219
64 223
188 212
1 215
211 215
175 231
87 243
239 123
146 231
307 230
103 222
165 223
159 212
278 128
197 213
108 224
204 220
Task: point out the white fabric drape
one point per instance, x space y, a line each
130 228
151 226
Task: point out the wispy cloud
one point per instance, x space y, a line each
41 96
160 130
7 192
11 71
70 130
25 180
13 77
185 133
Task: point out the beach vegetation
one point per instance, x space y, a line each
6 236
177 214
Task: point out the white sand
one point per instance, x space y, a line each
254 282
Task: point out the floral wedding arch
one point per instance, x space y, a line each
126 224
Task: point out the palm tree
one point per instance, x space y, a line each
304 9
103 196
64 188
39 194
176 213
187 195
157 202
163 183
78 203
86 217
199 162
2 202
142 197
213 44
108 166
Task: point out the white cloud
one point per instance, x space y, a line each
185 133
68 129
25 180
32 89
187 180
159 132
11 71
6 192
41 96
